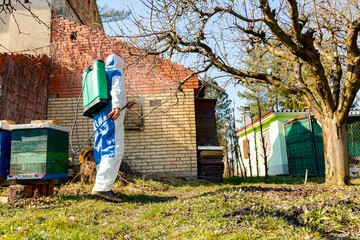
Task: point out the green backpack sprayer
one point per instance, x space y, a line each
95 96
95 89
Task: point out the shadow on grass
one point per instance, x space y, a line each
292 216
144 198
134 198
273 180
243 180
296 191
176 182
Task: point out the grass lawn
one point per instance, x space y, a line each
252 208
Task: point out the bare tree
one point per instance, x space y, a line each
318 40
248 152
240 157
240 169
256 153
263 143
227 170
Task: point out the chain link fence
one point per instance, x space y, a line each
354 148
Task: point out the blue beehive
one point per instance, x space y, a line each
5 145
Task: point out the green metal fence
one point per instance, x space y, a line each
300 148
354 148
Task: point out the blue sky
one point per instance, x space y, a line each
136 7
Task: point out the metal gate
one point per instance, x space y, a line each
354 148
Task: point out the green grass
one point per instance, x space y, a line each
252 208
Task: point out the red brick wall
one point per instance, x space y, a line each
75 46
23 92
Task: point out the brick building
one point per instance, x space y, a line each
160 130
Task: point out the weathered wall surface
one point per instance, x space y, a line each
167 143
23 33
23 87
28 29
86 12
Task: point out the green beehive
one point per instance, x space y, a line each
95 90
38 150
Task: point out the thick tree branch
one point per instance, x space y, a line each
335 69
229 10
277 30
304 91
306 51
352 83
294 16
205 69
280 53
351 41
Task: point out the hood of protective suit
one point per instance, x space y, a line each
114 62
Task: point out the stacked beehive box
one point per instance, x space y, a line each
210 155
39 151
211 166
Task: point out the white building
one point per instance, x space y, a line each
274 135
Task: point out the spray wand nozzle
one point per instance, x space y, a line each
88 68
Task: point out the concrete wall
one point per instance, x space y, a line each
273 157
24 33
28 29
4 35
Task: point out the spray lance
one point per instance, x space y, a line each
110 116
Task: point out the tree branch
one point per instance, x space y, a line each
304 90
294 16
351 41
352 83
229 10
193 74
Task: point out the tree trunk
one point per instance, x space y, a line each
336 153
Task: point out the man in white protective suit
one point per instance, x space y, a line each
109 139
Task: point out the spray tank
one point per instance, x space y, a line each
95 89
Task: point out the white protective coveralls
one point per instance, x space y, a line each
109 139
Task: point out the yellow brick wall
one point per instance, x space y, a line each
166 146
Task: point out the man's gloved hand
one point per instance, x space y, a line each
129 105
115 113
